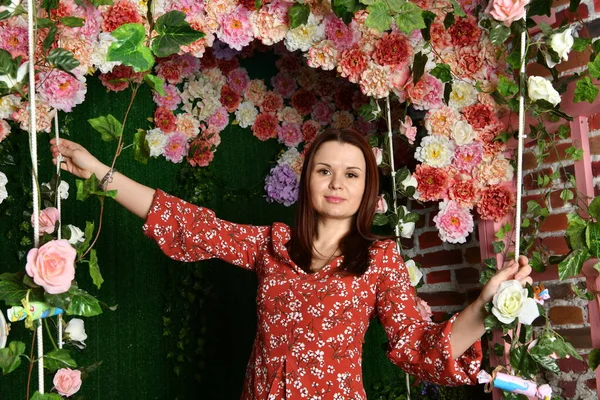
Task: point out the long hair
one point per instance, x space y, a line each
355 244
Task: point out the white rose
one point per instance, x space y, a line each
414 272
76 330
463 133
406 228
409 181
562 43
511 301
378 153
63 190
540 88
76 236
3 182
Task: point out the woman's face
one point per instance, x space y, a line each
337 180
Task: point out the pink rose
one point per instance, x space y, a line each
52 266
507 11
382 206
408 129
48 218
378 153
67 382
424 309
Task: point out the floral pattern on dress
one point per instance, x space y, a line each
311 326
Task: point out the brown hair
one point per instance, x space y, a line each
355 244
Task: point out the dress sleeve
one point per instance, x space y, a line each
420 347
186 232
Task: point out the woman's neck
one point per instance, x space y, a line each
329 233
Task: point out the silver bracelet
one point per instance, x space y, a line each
106 180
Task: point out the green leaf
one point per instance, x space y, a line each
57 300
507 87
379 17
491 322
594 208
457 9
582 294
564 131
49 4
155 83
47 43
44 23
62 59
88 233
102 2
442 72
298 15
95 269
572 265
10 356
428 17
173 32
580 44
380 219
536 262
489 270
419 63
46 396
449 20
575 234
12 292
592 238
129 47
345 9
499 34
567 195
540 7
594 359
88 187
57 359
498 246
72 22
109 127
141 150
82 303
409 18
585 90
411 217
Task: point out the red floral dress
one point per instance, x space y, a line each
311 327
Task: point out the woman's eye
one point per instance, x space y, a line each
351 175
323 172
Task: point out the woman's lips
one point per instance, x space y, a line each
334 199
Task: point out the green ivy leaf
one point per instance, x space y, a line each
12 290
507 87
499 34
62 59
457 9
419 63
10 356
95 269
411 217
567 194
585 90
173 32
580 44
47 43
155 83
409 18
88 234
57 300
498 246
72 22
442 72
298 15
536 262
572 265
491 322
380 219
594 67
109 127
141 150
102 2
489 270
594 359
449 20
44 23
575 234
345 9
82 303
57 359
89 187
428 18
129 47
46 396
592 238
594 208
379 17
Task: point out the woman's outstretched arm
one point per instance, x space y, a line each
132 195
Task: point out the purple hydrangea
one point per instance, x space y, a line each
281 185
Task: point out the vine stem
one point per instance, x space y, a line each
31 362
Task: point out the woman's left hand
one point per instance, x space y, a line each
511 270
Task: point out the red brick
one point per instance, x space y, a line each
407 243
439 258
429 239
550 274
594 122
536 197
558 153
556 244
420 224
557 3
595 145
467 275
432 215
529 161
561 291
473 255
580 338
597 5
573 365
557 202
565 315
554 223
569 389
582 12
536 69
568 169
443 298
575 60
596 165
438 277
530 180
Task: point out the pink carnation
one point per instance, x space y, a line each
270 23
170 100
289 134
43 117
427 94
176 148
255 92
265 126
393 49
272 102
236 28
120 13
291 115
342 35
322 112
432 182
496 202
238 80
453 222
480 116
189 64
322 55
375 81
284 84
470 61
230 98
353 62
468 156
14 40
219 120
465 32
310 129
440 37
441 121
60 89
464 192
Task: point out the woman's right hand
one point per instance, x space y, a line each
76 159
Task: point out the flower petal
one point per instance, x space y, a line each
529 312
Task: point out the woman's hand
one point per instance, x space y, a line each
511 270
75 158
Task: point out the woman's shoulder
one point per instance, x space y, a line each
382 244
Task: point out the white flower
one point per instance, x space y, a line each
207 107
100 52
540 88
378 153
409 181
3 182
8 105
76 236
63 190
463 94
463 133
246 114
414 272
76 330
11 7
290 157
157 141
436 151
303 36
11 81
562 43
406 228
511 301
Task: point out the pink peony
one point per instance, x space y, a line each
60 90
310 129
164 120
440 37
322 55
424 309
170 100
284 84
375 81
480 116
465 32
188 125
43 120
496 202
393 49
470 61
47 220
67 381
408 129
265 126
468 157
291 115
441 121
507 11
219 120
464 192
432 182
120 13
238 80
272 102
176 148
495 171
289 134
322 112
342 35
382 205
14 40
255 92
230 98
236 28
453 222
427 94
270 23
52 266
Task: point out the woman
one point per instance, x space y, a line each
319 283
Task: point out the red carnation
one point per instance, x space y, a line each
171 70
496 202
230 98
393 49
265 126
272 102
120 13
303 101
432 182
465 193
288 63
464 32
165 120
118 79
480 116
